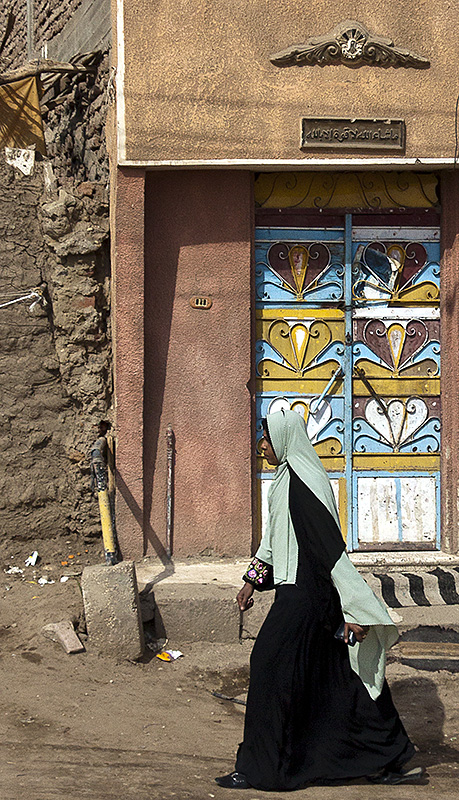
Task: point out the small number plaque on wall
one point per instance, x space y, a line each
200 301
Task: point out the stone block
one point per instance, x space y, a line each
64 634
197 613
112 610
207 613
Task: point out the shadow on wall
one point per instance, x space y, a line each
183 209
161 259
450 352
423 714
137 513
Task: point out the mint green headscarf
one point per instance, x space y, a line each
279 547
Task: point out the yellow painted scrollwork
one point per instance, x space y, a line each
298 346
346 190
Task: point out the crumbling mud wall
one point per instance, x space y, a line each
49 18
55 369
55 360
74 113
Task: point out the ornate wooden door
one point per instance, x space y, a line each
347 316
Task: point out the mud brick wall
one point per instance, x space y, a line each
15 52
50 17
74 115
55 363
55 368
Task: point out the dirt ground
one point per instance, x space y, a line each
82 726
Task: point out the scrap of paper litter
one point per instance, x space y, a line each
169 655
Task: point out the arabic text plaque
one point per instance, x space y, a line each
352 134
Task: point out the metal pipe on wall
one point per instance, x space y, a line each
30 30
170 440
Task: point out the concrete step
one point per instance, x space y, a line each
413 586
196 601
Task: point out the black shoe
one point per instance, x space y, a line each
235 780
390 778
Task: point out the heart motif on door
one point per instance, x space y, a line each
401 420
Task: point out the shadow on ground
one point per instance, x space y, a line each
423 714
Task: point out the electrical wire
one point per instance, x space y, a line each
32 296
35 294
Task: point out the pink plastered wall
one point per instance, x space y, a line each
198 229
127 244
450 361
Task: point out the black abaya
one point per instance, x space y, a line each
309 717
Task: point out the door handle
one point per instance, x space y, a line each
319 400
360 373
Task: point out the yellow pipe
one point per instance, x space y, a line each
102 464
108 534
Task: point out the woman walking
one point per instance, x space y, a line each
318 709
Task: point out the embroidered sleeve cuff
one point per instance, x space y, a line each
259 574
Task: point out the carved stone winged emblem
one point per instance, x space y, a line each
349 43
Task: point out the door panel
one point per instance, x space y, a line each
347 334
396 386
300 330
396 511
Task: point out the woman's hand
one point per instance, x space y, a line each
360 631
244 597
